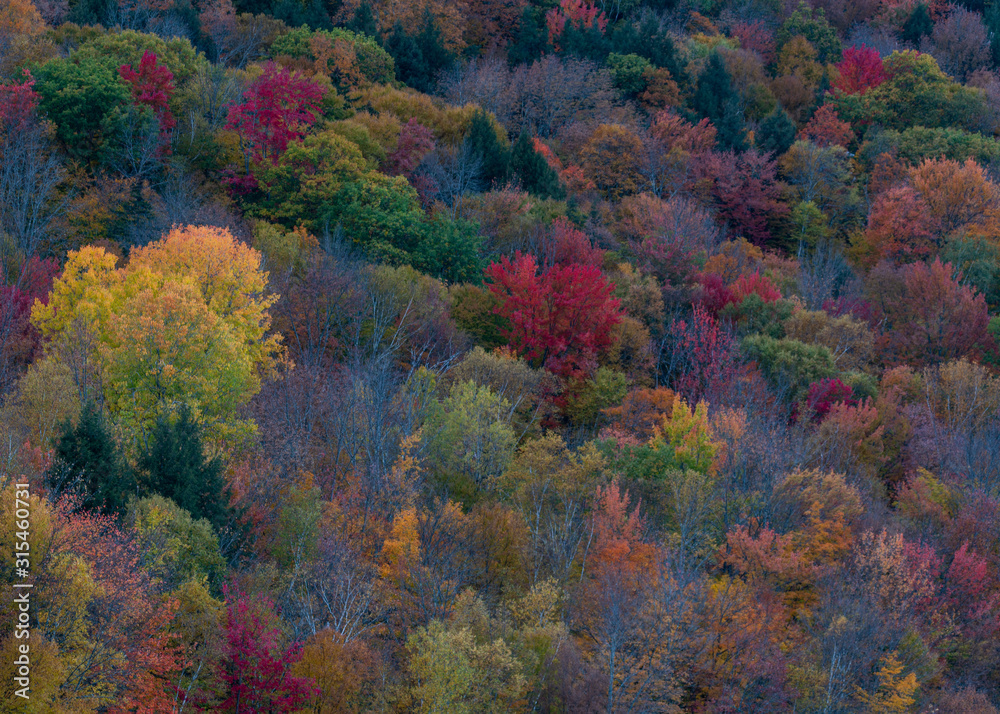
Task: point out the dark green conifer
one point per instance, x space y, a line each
918 25
533 171
493 155
776 133
176 467
363 21
715 98
88 459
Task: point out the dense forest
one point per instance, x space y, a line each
470 356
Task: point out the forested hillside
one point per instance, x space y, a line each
469 356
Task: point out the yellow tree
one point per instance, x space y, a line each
895 693
228 273
184 323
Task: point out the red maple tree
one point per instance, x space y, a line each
278 108
255 669
152 86
860 70
560 317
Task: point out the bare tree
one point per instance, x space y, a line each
30 174
137 146
455 171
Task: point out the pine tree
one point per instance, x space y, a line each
918 25
531 40
776 133
176 467
534 172
991 18
715 98
363 21
410 65
87 457
647 40
432 49
493 155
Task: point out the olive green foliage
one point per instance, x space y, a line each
176 547
916 87
374 62
127 47
469 437
452 672
627 71
917 143
812 25
325 181
788 364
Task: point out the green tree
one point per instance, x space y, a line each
534 172
776 133
469 437
812 25
82 96
716 99
489 146
175 466
916 88
452 672
176 548
87 458
363 21
531 40
789 364
627 71
919 24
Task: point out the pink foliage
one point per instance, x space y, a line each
152 86
17 103
827 392
559 317
714 295
566 244
20 342
755 284
581 13
860 70
858 308
415 142
278 108
744 188
256 667
756 37
704 359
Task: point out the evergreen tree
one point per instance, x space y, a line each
776 133
715 98
432 49
409 60
363 21
585 42
176 467
493 155
918 25
647 40
419 59
87 457
532 39
534 172
992 20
